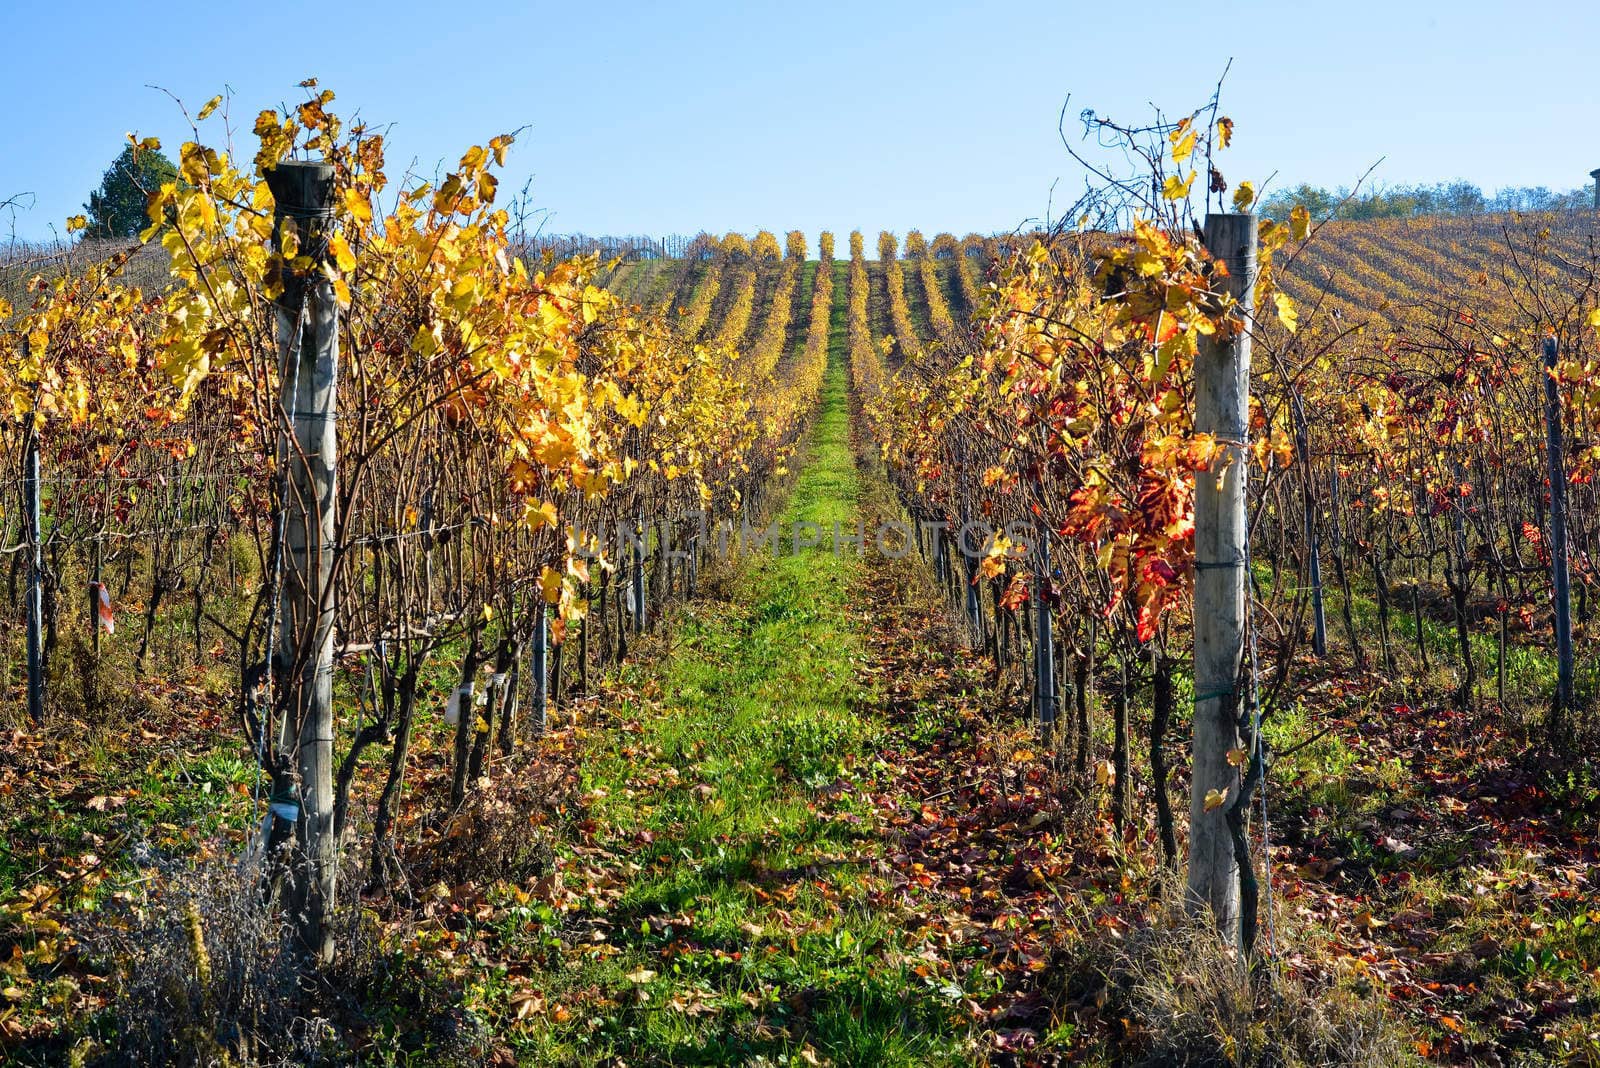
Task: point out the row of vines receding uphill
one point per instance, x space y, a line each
1418 468
503 466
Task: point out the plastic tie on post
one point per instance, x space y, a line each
285 805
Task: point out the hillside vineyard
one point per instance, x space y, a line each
1002 648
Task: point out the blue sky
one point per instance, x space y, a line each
658 118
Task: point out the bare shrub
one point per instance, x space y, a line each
491 837
202 974
1185 1000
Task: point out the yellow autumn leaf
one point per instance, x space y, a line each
1215 799
1299 223
343 258
210 106
1287 315
1236 757
498 146
76 223
630 409
1244 197
1182 139
356 203
1181 343
1594 318
424 343
488 612
1224 132
1174 189
540 515
550 585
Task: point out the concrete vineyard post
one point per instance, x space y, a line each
308 345
1222 409
1555 452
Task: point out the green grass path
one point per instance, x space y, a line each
734 849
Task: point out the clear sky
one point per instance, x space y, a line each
659 118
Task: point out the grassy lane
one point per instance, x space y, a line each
718 895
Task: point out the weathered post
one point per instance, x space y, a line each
1044 656
692 576
1555 457
969 557
308 349
541 670
638 576
974 604
583 645
1302 448
31 494
1222 408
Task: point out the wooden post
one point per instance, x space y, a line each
1222 408
97 590
1302 443
974 605
969 564
31 494
308 348
638 576
1044 645
541 671
1556 453
692 565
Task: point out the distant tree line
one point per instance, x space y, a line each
632 246
1405 201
